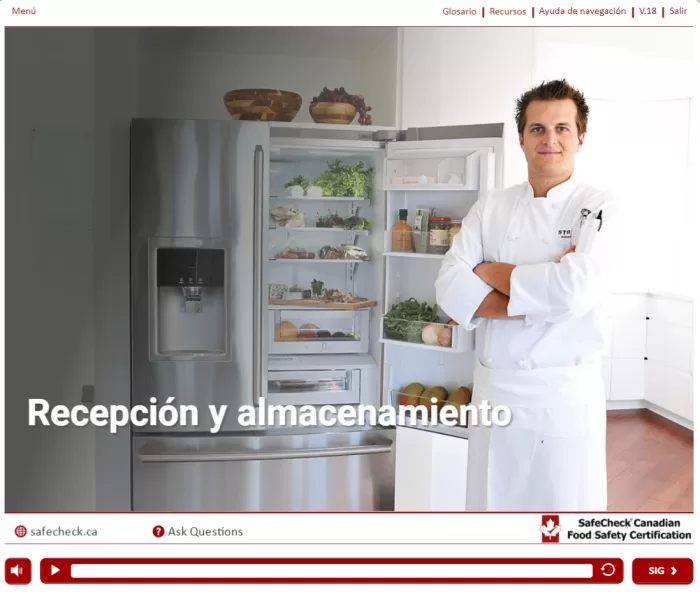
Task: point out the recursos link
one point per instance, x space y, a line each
116 416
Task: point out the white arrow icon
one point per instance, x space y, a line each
608 569
54 570
673 571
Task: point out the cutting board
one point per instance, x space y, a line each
320 304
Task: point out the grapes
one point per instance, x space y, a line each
340 95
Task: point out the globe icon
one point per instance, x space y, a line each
21 531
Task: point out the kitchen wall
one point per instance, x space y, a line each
67 259
185 72
49 264
477 74
116 59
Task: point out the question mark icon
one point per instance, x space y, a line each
158 531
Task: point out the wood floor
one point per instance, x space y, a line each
650 464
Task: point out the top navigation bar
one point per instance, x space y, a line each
505 13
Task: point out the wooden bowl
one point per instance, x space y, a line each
342 113
262 104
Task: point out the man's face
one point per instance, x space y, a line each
551 140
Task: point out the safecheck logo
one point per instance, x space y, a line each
550 528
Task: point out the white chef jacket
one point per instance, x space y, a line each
564 302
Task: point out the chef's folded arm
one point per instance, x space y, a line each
459 291
556 292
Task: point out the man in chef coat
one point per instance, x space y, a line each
529 272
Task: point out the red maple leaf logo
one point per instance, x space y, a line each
550 529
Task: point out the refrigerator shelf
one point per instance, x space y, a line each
429 187
346 261
411 334
434 170
413 255
318 331
317 387
282 229
320 304
313 198
439 348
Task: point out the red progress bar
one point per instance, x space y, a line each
159 570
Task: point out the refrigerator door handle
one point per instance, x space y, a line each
258 333
146 455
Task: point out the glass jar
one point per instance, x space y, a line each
439 235
455 227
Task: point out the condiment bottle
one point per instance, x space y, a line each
439 235
402 234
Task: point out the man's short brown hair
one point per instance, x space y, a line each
555 90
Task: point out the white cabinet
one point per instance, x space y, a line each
629 338
670 345
651 355
624 368
431 471
627 380
669 369
670 390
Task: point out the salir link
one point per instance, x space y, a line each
655 532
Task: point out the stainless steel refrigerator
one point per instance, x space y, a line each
227 239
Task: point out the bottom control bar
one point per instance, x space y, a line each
61 570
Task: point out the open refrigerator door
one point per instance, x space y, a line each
432 179
430 187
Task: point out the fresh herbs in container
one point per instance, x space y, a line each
406 320
358 223
298 181
332 220
339 180
345 180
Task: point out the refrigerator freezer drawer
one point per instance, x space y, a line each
337 471
316 331
311 387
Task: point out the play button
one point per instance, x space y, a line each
55 570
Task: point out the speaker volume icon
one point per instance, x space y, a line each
18 571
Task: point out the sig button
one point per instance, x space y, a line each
662 571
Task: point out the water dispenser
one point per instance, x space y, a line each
189 303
